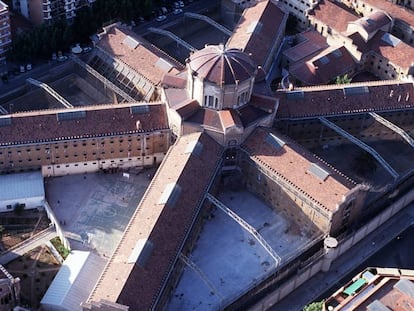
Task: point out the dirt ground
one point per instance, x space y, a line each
17 228
36 270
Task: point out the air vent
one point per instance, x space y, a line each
131 42
356 90
170 195
295 95
194 147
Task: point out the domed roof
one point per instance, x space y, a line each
220 65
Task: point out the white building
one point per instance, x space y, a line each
21 188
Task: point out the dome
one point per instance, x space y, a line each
219 65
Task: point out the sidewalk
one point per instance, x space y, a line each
321 282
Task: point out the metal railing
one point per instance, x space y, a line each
172 36
393 127
245 226
360 144
50 91
208 20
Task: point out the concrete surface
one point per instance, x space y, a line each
95 208
230 257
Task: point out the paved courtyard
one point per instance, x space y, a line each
95 208
229 259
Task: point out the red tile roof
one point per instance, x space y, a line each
145 58
291 163
394 10
323 67
257 30
187 108
374 21
333 99
333 14
401 55
102 120
310 43
221 65
169 80
165 226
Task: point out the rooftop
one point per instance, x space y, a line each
344 99
310 43
220 65
141 264
394 10
292 163
376 289
90 121
323 67
258 27
333 14
139 54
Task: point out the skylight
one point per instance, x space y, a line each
356 90
141 252
71 115
390 39
275 141
140 109
170 195
318 171
295 95
131 42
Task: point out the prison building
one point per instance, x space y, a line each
294 182
145 266
403 19
131 63
87 139
259 33
353 98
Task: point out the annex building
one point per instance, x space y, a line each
218 132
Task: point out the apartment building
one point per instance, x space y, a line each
45 11
5 33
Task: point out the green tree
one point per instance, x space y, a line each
314 306
343 79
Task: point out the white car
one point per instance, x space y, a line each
160 18
177 11
181 3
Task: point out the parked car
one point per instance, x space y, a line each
22 69
177 11
62 58
160 18
86 49
29 67
181 3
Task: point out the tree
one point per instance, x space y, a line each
343 80
314 306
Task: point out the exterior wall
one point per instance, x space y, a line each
295 208
7 297
68 156
34 202
5 31
299 8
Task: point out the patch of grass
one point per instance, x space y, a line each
64 252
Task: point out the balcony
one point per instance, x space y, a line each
4 26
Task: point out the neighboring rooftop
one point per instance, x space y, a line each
258 28
396 11
324 67
295 165
310 43
21 185
82 122
375 289
333 14
140 266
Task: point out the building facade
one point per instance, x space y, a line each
46 11
5 31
